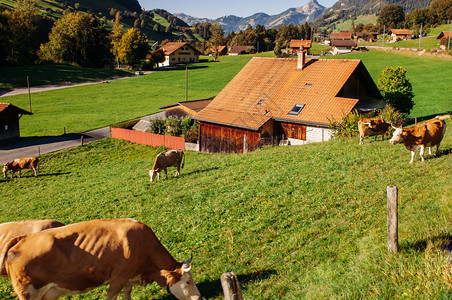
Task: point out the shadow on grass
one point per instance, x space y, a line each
212 289
445 241
200 171
425 118
31 176
38 140
181 67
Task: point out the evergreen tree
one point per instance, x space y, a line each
396 88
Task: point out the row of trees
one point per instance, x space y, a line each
78 38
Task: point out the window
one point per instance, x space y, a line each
296 109
260 102
308 84
6 127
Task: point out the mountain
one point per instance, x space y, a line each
299 15
348 9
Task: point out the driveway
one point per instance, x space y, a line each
34 146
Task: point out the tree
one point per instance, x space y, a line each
156 57
133 47
392 16
441 11
217 39
396 88
116 36
78 39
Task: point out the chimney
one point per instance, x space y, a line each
301 60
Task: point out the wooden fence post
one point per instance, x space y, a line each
392 219
245 144
231 286
81 140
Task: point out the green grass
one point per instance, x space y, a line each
14 77
297 222
364 19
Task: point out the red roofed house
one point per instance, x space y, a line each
179 53
341 35
272 97
9 121
342 46
400 34
444 38
295 45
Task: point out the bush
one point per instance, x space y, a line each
348 127
393 116
172 127
191 135
158 126
396 88
186 123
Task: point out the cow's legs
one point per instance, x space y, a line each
52 294
34 172
421 153
166 173
127 290
361 139
437 150
412 156
20 173
177 171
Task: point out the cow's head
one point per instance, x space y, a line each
180 282
397 136
152 174
5 169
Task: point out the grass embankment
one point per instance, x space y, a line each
293 222
83 108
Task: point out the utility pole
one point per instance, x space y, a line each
420 37
450 31
186 84
383 42
29 94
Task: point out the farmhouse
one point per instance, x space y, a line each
179 53
342 46
221 50
444 38
238 50
276 97
9 121
366 36
295 45
341 35
400 34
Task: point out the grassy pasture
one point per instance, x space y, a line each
297 222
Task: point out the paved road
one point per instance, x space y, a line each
34 146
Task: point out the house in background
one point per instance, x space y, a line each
238 50
181 110
400 34
444 38
341 35
221 50
179 53
297 98
366 36
342 46
9 121
296 45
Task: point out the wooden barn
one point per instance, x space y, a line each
444 38
271 98
9 121
297 45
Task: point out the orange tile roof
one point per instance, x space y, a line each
278 83
18 110
401 31
170 47
298 43
444 34
342 35
194 105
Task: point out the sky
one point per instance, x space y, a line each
215 9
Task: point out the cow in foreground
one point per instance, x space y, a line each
79 257
374 126
426 134
164 160
19 164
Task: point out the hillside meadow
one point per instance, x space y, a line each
296 222
83 108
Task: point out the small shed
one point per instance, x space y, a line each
9 121
444 38
181 110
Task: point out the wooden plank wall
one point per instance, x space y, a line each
222 139
146 138
294 131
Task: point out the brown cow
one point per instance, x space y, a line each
426 134
21 163
11 230
164 160
374 126
79 257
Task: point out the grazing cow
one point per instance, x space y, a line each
426 134
164 160
79 257
11 230
374 126
21 163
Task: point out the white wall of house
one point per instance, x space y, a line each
183 55
314 135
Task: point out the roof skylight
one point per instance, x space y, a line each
296 109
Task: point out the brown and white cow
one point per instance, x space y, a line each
11 230
20 164
79 257
373 126
164 160
426 134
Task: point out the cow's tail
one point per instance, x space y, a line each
8 245
443 117
183 157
